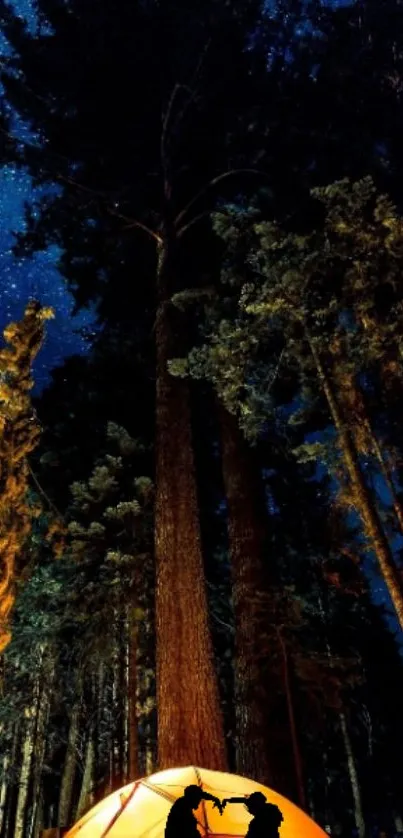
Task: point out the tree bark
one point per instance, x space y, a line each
33 748
98 698
117 704
11 790
26 763
122 698
354 397
69 769
45 688
353 775
247 534
299 774
351 764
149 758
190 724
39 822
86 794
361 494
133 737
3 787
398 820
388 478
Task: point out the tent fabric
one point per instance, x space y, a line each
140 809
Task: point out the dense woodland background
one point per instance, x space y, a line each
195 516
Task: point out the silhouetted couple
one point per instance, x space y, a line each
182 823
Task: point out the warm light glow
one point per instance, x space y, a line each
144 808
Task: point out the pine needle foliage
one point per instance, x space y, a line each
19 435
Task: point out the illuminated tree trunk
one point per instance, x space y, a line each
247 532
45 687
354 397
86 797
117 705
11 791
133 739
353 776
26 764
3 787
388 478
33 749
398 820
146 710
190 724
98 698
362 497
69 768
124 696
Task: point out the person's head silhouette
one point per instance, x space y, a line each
255 801
193 795
266 817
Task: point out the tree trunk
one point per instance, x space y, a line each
25 772
247 534
39 817
362 497
354 397
33 749
146 706
398 820
86 796
190 724
351 764
117 705
3 787
149 758
45 687
387 476
133 736
122 697
69 769
11 789
327 787
299 774
354 781
98 699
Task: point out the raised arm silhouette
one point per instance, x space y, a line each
181 822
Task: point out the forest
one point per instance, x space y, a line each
202 517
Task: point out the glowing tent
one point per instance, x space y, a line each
140 809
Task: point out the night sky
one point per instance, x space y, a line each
36 277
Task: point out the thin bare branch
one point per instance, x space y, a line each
44 495
276 371
167 117
194 220
133 222
164 139
193 86
211 185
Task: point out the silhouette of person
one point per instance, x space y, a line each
181 822
267 817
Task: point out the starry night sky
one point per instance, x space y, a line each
36 277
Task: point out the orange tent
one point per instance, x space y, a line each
140 809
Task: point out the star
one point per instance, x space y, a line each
38 277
